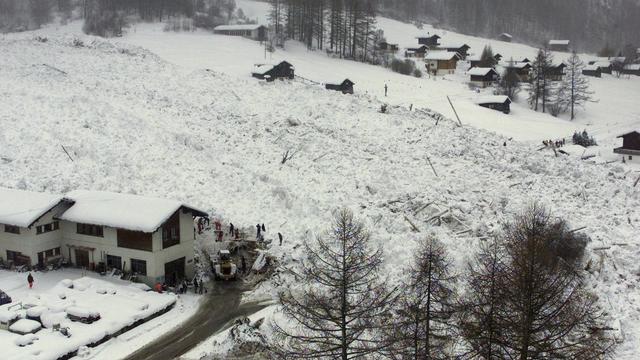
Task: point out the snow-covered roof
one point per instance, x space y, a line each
633 67
23 208
492 99
124 211
237 27
262 68
441 55
506 34
480 71
593 67
516 64
559 42
602 64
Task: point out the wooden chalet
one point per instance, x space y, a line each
387 47
556 72
433 40
441 62
475 61
559 45
346 86
522 69
462 49
483 77
495 102
604 66
505 37
592 70
270 72
630 144
418 52
631 69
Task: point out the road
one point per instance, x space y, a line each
218 310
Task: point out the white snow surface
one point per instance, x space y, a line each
152 120
124 211
22 208
238 27
479 71
25 326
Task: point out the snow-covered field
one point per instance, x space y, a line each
153 121
118 302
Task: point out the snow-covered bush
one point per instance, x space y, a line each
406 67
583 139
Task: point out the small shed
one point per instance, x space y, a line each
592 70
604 66
252 31
630 144
495 102
384 46
631 69
346 86
556 72
559 45
271 72
433 40
483 77
441 62
505 37
418 52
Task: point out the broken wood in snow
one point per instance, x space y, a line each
516 184
578 229
66 152
432 168
464 232
321 156
438 215
413 226
422 208
55 68
602 248
454 111
637 180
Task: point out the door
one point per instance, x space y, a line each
174 271
82 258
41 258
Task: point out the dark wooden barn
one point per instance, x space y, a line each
387 47
418 52
483 77
630 144
631 69
556 72
592 70
433 40
505 37
495 102
604 66
346 87
559 45
461 49
269 72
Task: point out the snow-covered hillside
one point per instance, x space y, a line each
133 122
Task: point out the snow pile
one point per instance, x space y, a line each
25 326
82 312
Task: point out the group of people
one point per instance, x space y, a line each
203 223
182 287
552 143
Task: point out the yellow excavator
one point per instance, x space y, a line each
225 268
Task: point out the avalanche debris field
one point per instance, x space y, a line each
131 122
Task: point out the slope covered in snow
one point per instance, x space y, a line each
135 123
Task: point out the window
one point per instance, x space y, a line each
139 267
90 230
41 229
56 251
12 229
137 240
12 255
171 231
49 253
114 262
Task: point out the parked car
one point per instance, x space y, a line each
4 298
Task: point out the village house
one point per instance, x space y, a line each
495 102
251 31
630 144
483 77
475 60
346 86
604 66
505 37
271 72
556 72
418 52
559 45
386 47
441 62
148 237
431 41
522 69
592 70
631 69
461 49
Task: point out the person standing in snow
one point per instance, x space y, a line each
244 264
280 238
385 89
237 234
231 229
258 228
195 285
30 280
263 228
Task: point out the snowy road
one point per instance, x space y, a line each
221 307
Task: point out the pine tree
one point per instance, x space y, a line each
487 58
575 85
509 83
423 326
539 90
336 313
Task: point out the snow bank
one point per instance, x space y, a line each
25 326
